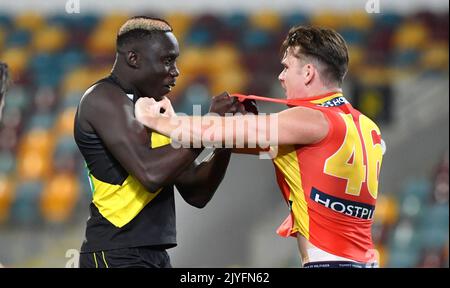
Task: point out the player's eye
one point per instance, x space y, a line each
169 61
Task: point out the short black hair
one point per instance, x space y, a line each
141 27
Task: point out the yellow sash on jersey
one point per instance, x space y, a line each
288 164
121 203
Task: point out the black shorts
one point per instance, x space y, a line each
138 257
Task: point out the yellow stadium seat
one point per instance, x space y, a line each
113 21
192 61
358 20
435 57
102 41
2 38
411 35
222 57
41 141
374 75
64 124
266 20
233 80
383 255
220 63
180 23
49 39
356 59
327 19
99 72
32 165
59 197
34 155
29 21
371 103
17 59
77 80
6 197
387 210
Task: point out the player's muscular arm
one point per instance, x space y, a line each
297 125
300 125
198 184
110 114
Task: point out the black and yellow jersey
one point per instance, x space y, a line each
122 212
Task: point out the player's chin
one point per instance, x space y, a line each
290 95
166 90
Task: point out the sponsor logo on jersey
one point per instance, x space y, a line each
347 207
338 101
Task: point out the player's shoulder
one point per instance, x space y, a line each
305 113
367 118
300 116
102 93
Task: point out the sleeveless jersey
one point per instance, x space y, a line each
331 187
123 213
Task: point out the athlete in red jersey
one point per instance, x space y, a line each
331 186
327 155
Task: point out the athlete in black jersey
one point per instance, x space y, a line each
133 171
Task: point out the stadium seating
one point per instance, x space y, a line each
54 59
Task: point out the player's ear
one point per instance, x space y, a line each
132 59
309 72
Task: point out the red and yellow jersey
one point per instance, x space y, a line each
331 187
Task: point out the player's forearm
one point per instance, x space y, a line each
158 167
234 131
205 179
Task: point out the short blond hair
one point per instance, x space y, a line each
144 23
140 26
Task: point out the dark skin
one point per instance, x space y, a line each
148 67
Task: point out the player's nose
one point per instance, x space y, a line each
281 76
174 72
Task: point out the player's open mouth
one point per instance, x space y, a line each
169 86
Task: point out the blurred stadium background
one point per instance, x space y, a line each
399 76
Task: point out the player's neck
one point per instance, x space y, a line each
123 78
322 90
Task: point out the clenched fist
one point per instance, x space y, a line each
223 103
148 109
